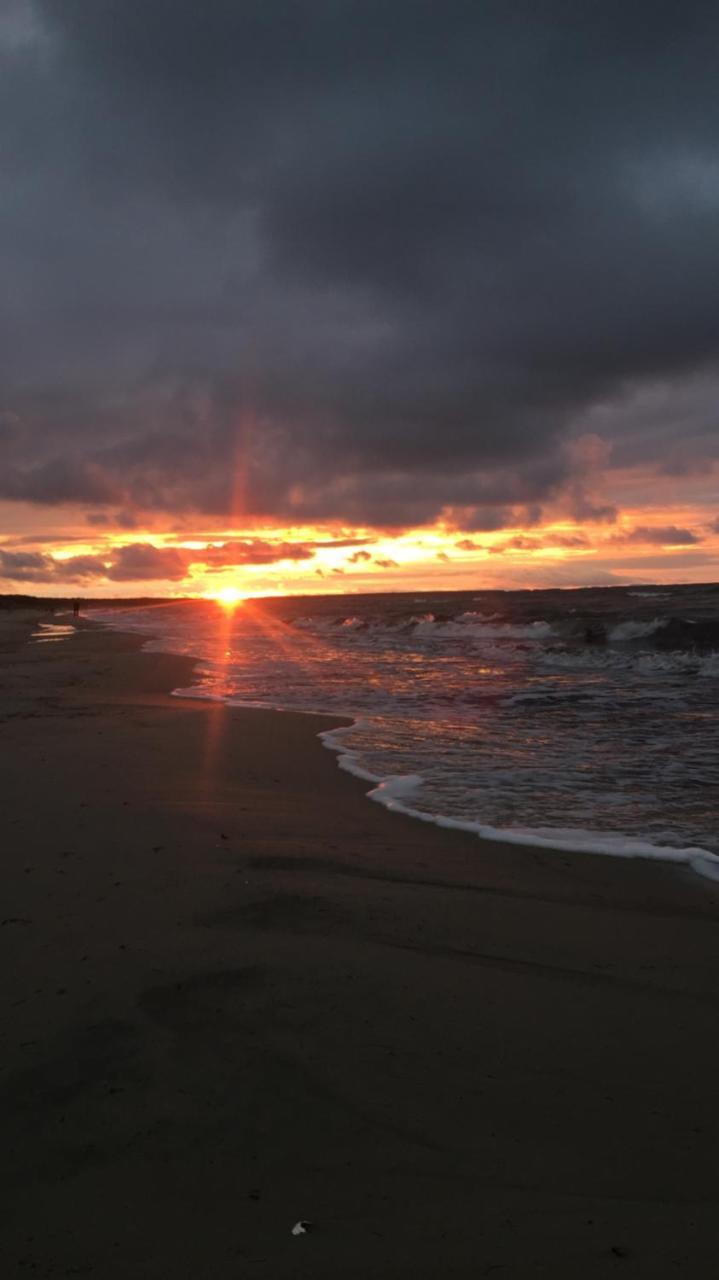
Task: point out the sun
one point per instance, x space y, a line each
229 597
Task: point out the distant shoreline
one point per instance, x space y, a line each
21 601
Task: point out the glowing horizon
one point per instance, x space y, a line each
663 543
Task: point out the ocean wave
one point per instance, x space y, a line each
558 697
668 633
692 663
646 662
494 630
635 630
468 625
484 629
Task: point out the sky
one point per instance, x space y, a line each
344 295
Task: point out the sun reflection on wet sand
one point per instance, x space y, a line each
51 631
217 715
296 648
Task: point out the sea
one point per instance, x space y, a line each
586 720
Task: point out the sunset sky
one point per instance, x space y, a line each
339 296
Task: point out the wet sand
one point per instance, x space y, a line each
237 994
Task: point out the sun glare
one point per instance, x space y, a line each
229 597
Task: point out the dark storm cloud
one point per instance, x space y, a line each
365 261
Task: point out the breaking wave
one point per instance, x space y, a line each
636 630
468 625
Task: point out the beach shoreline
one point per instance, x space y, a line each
236 995
398 792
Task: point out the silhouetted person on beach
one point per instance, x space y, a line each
75 608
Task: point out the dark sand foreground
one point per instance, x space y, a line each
237 994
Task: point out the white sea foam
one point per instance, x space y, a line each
347 759
392 792
476 627
649 595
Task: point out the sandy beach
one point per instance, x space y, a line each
237 994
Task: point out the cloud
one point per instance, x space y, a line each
522 542
365 262
386 563
142 561
116 520
359 556
10 426
659 535
251 551
24 566
514 544
574 540
649 564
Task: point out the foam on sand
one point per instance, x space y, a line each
393 793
